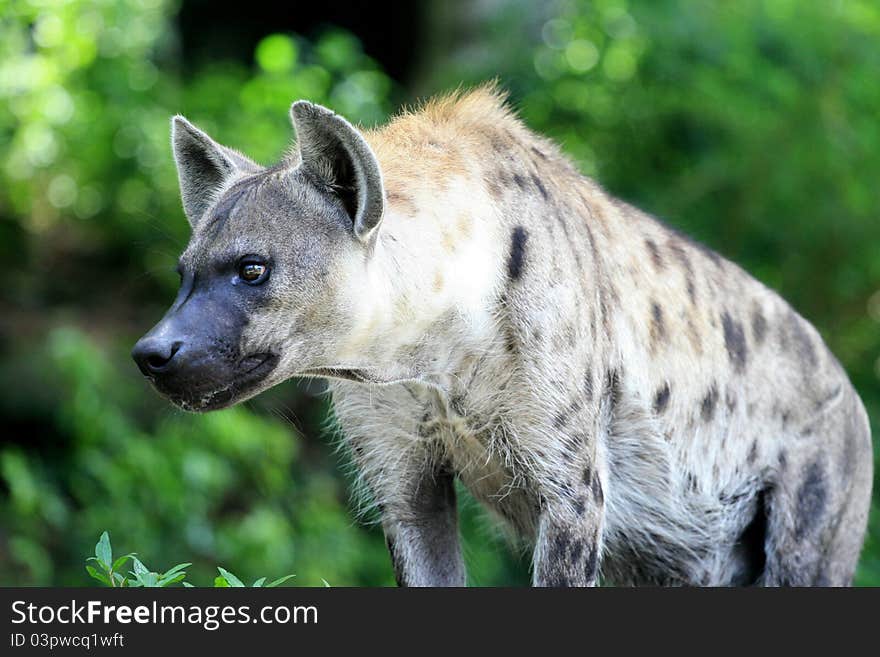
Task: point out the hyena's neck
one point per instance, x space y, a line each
475 205
438 266
427 300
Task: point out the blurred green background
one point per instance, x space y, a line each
754 126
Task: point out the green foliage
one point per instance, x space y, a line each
108 571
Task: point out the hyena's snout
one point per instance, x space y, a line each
193 357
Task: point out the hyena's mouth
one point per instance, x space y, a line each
245 382
337 373
344 374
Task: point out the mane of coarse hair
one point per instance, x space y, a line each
451 134
459 114
464 107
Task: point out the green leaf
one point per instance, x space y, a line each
280 580
119 579
326 583
220 582
120 562
101 577
149 580
231 579
176 569
142 575
173 575
259 582
188 585
166 581
104 552
139 567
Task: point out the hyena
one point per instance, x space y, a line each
633 406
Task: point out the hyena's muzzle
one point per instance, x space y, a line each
193 355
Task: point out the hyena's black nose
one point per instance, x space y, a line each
154 354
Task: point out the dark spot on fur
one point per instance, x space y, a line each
661 398
655 254
561 418
511 344
566 490
803 344
540 186
613 387
498 144
576 550
812 498
679 252
559 546
707 406
591 562
580 505
783 460
734 341
588 385
596 489
517 252
785 416
519 180
730 401
759 326
537 151
587 476
753 453
494 185
658 326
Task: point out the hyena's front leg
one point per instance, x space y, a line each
557 448
561 447
407 476
569 542
421 530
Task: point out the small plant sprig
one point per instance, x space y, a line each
109 571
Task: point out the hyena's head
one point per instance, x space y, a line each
275 264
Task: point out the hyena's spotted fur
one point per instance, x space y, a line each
629 401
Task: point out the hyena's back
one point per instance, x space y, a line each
617 393
732 425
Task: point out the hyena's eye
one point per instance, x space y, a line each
253 271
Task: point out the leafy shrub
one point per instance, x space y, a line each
107 570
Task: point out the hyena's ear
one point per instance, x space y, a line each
203 166
334 151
